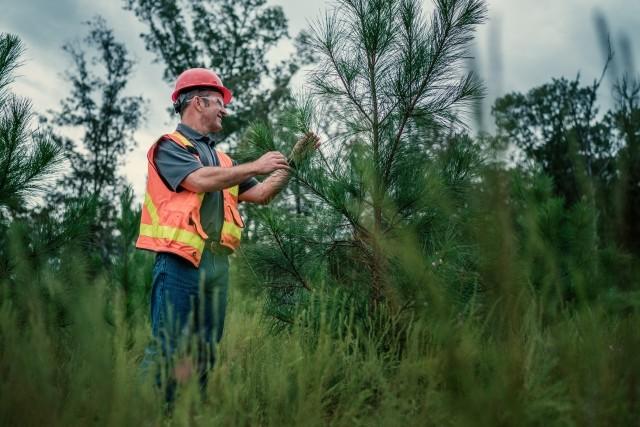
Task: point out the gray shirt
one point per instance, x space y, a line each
175 162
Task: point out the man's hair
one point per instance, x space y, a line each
186 96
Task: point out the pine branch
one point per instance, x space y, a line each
287 256
327 44
10 51
449 37
347 215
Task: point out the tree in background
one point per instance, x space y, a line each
626 121
97 105
557 128
231 37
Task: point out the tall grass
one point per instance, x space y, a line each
70 356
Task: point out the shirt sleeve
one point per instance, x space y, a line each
246 184
174 163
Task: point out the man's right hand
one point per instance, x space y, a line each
269 162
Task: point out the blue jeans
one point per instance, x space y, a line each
188 307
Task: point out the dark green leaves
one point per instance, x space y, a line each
27 158
232 37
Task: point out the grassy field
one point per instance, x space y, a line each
70 356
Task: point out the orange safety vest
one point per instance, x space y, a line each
171 220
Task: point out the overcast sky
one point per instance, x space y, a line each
524 44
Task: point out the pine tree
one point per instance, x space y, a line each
392 81
27 157
30 161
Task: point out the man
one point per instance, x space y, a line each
190 218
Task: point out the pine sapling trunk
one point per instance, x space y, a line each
378 272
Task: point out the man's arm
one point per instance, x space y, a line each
265 191
212 178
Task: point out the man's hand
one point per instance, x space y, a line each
183 370
269 162
264 192
305 145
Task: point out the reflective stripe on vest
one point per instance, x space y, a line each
179 230
167 232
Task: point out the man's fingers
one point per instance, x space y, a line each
280 162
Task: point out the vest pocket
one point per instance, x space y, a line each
194 221
234 214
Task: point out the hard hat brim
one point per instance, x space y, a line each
227 95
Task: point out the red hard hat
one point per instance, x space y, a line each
200 77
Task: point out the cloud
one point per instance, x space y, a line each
536 40
41 76
41 22
539 40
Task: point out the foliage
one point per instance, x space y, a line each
626 120
27 157
557 126
99 107
230 37
572 368
557 129
502 303
391 76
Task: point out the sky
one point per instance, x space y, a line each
524 44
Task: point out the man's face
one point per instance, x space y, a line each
211 107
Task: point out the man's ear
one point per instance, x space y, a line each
200 103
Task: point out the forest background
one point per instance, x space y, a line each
437 262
